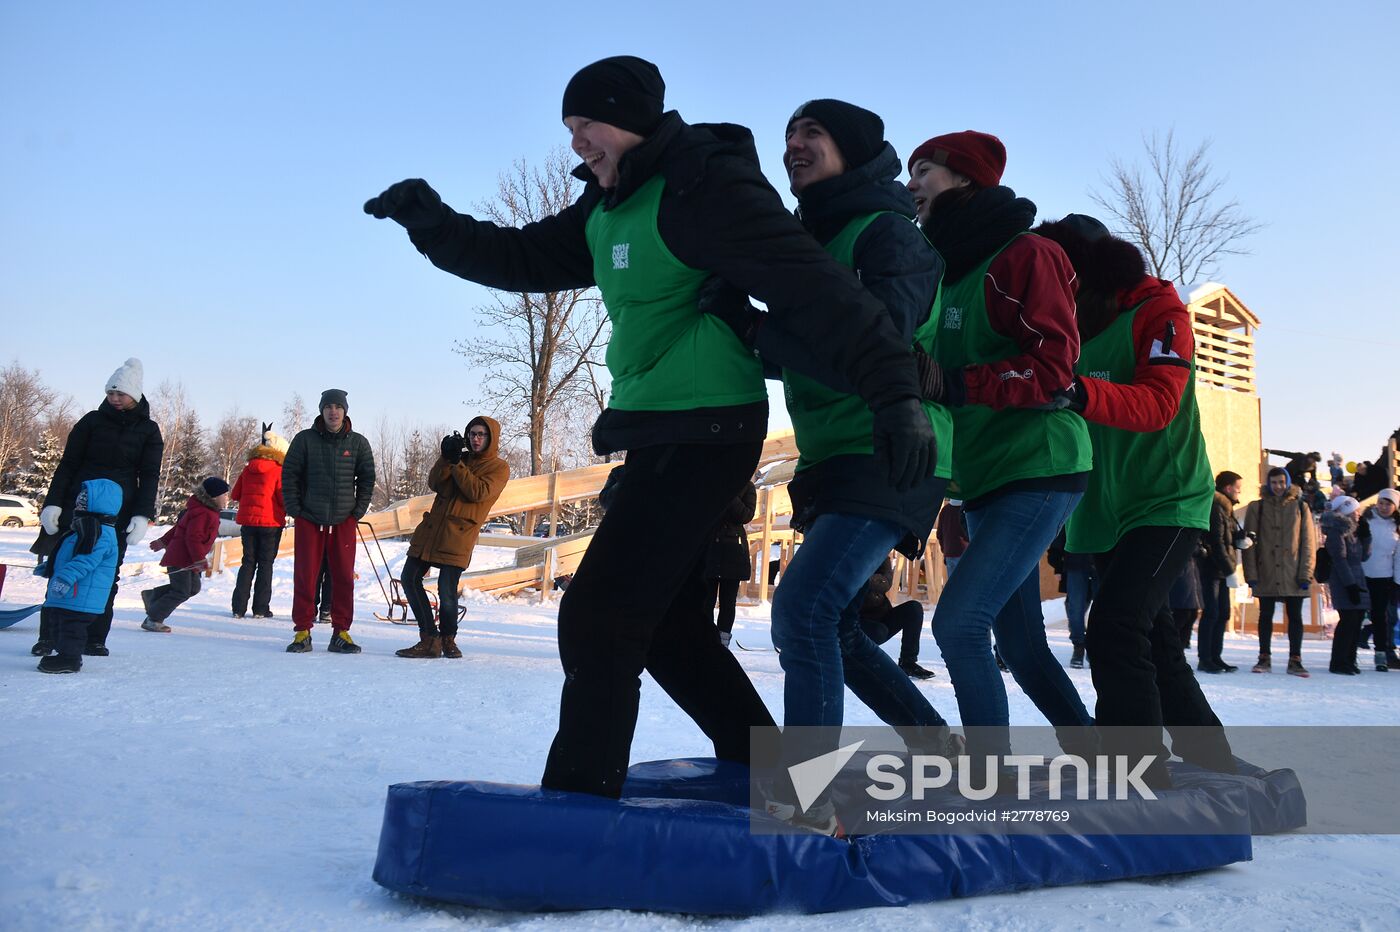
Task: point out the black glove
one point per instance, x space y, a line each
1354 593
1075 398
904 442
411 204
452 446
938 383
732 306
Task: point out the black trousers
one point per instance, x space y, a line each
1185 619
1215 615
68 629
905 619
1345 638
1381 590
1140 673
724 595
181 586
1293 609
640 601
411 578
259 551
102 624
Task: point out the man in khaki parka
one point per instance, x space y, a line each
468 478
1279 567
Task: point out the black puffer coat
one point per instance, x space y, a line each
124 446
728 554
327 478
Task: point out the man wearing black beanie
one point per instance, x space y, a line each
666 205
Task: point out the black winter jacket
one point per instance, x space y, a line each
124 446
902 270
1221 555
728 554
327 478
718 214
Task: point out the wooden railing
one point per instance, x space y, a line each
1224 357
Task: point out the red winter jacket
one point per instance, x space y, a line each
1030 289
258 490
1164 347
188 543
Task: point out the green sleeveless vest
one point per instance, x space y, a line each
998 447
1157 479
664 355
828 423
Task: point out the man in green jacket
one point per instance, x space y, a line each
327 482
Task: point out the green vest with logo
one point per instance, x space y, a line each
829 423
1156 479
997 447
664 355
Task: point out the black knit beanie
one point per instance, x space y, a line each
857 132
334 396
623 91
214 486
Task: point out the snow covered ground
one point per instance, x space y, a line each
205 779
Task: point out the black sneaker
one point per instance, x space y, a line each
42 648
1076 659
914 671
57 664
341 644
1207 667
301 643
1227 667
262 615
96 650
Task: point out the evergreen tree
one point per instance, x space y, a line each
43 463
184 466
419 454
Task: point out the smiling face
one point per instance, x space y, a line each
1278 484
601 146
927 180
1385 507
811 154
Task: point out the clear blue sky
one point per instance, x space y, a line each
183 181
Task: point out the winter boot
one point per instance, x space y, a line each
1381 665
59 664
48 636
240 615
449 647
43 648
341 644
96 650
267 614
1076 659
427 646
915 672
1265 665
725 637
1296 668
150 624
146 600
301 643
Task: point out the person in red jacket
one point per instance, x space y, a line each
261 517
186 550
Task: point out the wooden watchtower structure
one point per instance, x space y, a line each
1226 391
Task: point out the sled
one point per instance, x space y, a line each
681 840
12 616
394 598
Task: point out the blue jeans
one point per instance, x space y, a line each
997 588
1079 590
816 626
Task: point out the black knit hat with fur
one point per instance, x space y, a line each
1104 263
622 91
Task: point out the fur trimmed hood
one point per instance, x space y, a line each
265 452
202 497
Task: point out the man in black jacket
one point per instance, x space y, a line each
327 484
1219 565
665 205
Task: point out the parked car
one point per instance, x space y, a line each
228 527
497 526
17 512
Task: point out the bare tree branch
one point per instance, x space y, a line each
1176 212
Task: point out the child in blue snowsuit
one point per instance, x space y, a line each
81 573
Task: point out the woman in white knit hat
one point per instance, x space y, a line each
1378 532
117 441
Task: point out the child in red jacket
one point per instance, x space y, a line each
186 547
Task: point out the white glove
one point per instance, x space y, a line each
48 518
1246 543
136 530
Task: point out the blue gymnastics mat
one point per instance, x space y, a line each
680 840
